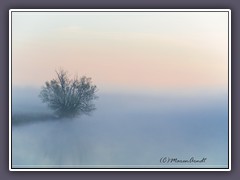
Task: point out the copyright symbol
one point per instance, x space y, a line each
163 160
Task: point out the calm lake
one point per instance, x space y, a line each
126 130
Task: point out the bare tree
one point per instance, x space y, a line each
69 97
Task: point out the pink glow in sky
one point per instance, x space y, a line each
124 49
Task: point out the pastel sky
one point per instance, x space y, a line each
149 50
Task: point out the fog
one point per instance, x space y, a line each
126 130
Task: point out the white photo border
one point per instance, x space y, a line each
120 169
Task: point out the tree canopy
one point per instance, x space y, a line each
69 97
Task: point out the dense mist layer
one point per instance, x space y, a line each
126 130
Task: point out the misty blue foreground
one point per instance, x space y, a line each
127 130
